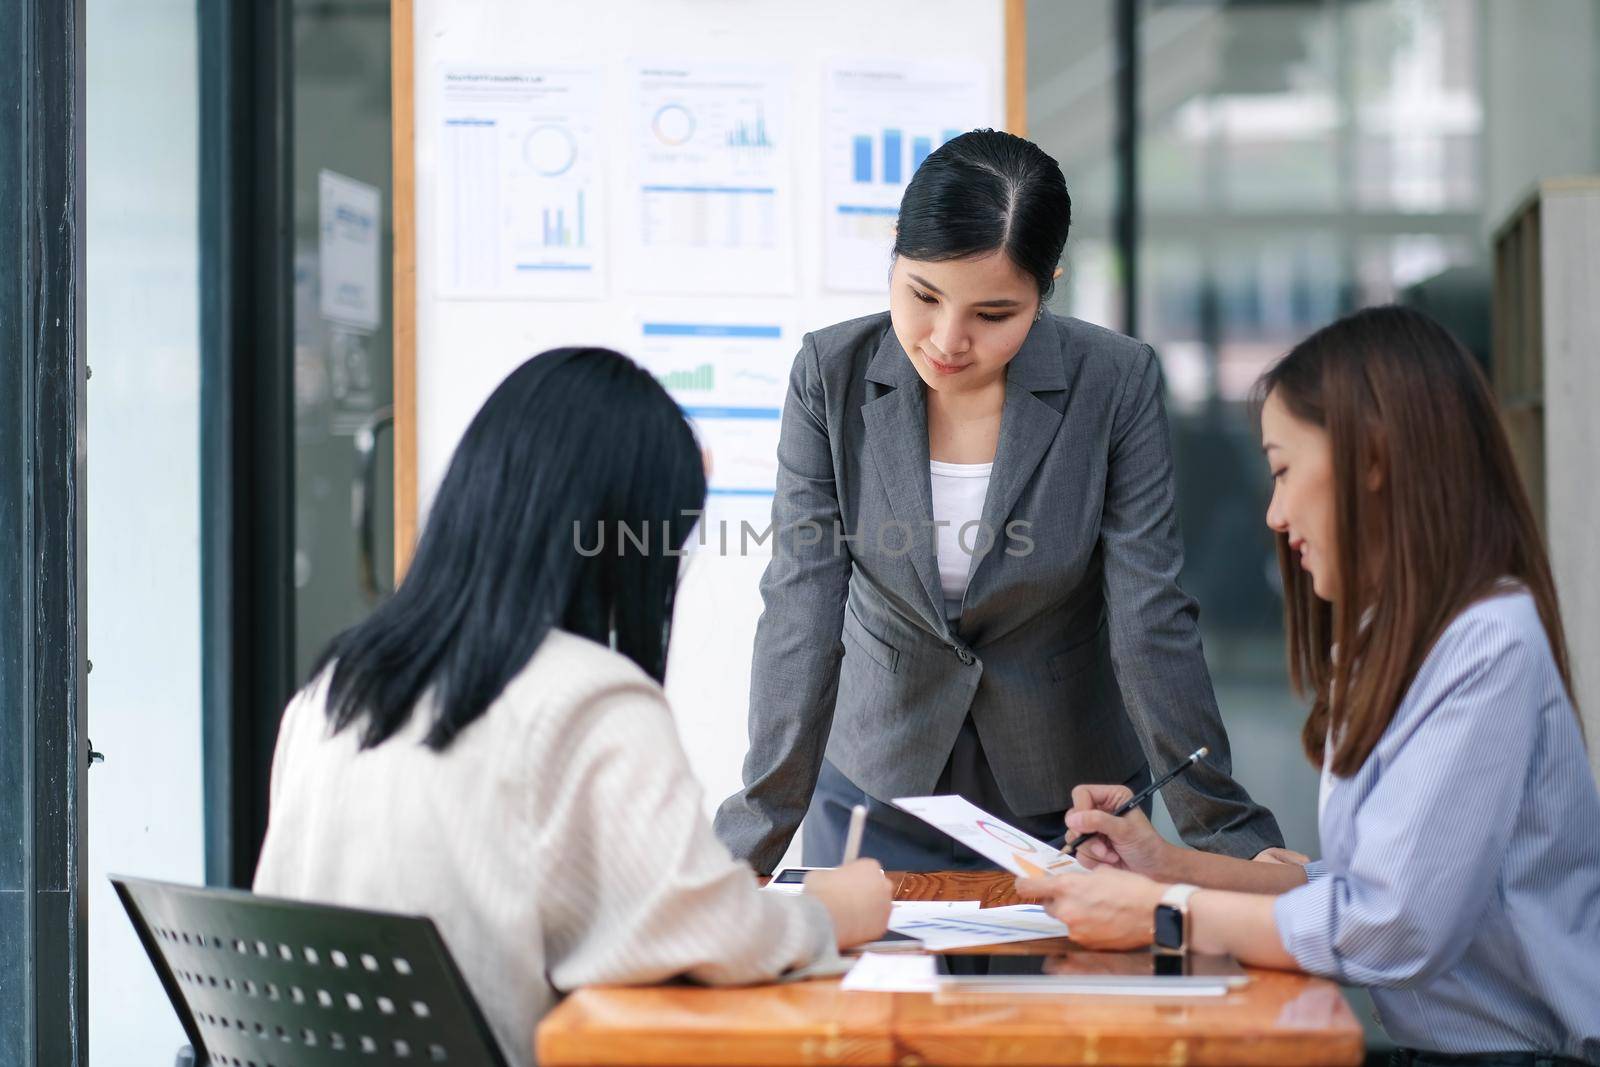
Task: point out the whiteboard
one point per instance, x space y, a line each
465 346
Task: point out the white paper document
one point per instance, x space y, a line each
907 911
877 972
986 835
351 232
991 926
520 211
919 909
711 203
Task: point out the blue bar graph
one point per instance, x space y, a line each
750 134
863 149
891 156
556 232
697 329
891 152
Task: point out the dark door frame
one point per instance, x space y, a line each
43 744
247 418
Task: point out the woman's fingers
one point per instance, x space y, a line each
1100 797
1036 888
1097 851
1097 822
1055 893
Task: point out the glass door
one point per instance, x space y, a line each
343 240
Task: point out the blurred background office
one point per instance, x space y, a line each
1242 172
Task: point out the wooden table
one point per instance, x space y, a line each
1277 1019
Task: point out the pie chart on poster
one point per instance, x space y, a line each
550 150
673 125
1006 836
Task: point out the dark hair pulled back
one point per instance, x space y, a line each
987 191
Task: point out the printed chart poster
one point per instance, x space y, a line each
520 211
712 208
880 121
730 378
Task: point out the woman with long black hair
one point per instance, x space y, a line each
975 587
492 748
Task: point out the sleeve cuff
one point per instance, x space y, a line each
1305 924
1242 842
823 958
1316 869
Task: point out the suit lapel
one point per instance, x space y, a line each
1027 427
897 435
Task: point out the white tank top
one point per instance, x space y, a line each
958 493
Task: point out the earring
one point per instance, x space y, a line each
1037 315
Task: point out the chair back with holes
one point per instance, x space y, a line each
263 982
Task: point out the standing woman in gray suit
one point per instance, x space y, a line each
974 582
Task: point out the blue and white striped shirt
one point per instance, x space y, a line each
1460 876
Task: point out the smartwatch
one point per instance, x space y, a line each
1172 919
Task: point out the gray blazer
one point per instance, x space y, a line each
1076 652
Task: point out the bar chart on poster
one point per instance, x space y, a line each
697 186
520 170
881 120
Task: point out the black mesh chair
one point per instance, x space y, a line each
262 982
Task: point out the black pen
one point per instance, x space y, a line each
1142 795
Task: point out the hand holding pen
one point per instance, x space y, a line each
858 896
1106 825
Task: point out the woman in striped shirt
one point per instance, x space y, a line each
1460 879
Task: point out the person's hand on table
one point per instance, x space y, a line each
1105 908
858 898
1127 841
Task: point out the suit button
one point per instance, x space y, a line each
964 656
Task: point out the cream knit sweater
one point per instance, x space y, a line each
559 841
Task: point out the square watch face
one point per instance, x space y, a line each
1169 927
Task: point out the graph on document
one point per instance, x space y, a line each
881 166
519 183
549 151
564 224
741 446
549 215
881 122
706 165
725 364
729 378
749 132
889 156
710 164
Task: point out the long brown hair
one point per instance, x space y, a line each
1396 393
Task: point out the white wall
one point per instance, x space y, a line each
144 805
466 347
